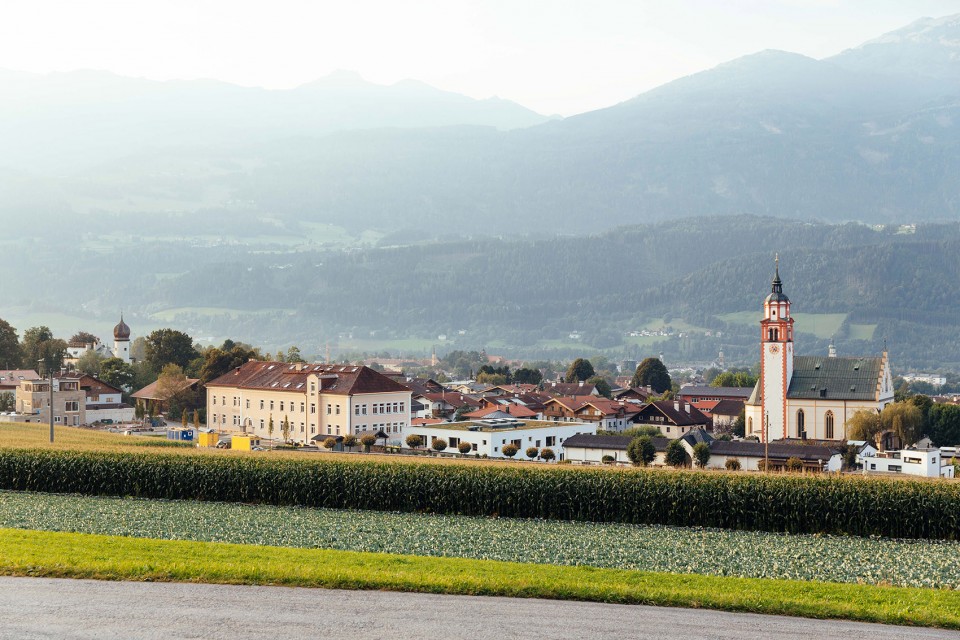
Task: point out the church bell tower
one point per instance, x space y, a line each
776 358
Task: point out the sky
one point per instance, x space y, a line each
556 57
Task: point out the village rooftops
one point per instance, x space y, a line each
505 424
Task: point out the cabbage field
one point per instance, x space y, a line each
918 563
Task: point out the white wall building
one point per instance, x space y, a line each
927 463
489 436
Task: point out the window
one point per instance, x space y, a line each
301 427
261 424
313 387
374 409
302 409
454 443
551 441
72 406
223 400
338 409
801 424
214 399
313 407
364 407
402 405
281 405
248 403
329 409
261 405
356 410
828 419
749 425
271 405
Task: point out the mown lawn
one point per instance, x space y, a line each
71 555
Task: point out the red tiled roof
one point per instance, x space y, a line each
149 392
334 378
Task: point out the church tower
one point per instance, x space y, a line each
776 358
121 341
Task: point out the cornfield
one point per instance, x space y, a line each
789 504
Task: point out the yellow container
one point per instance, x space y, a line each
244 443
208 439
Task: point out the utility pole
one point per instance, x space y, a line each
41 361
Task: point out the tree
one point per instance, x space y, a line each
414 441
641 451
117 373
368 440
923 402
8 401
330 443
168 346
173 389
732 464
603 387
701 454
39 344
904 419
676 455
945 425
293 355
525 375
217 362
651 373
739 427
270 426
580 370
794 464
183 419
461 412
864 425
438 444
510 450
350 441
643 430
138 411
734 379
90 363
532 452
84 338
285 428
464 448
547 454
196 419
10 354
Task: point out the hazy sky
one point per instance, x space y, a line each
560 56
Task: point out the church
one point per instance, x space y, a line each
808 397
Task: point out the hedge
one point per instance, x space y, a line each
780 503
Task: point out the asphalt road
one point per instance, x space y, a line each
46 608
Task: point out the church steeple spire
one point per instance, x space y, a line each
777 284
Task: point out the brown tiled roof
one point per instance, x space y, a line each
454 399
777 450
569 388
335 378
728 408
10 378
149 392
680 417
590 441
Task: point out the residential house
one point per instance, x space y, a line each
69 401
591 449
672 417
926 463
104 402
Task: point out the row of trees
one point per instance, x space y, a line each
910 420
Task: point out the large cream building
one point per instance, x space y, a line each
809 397
316 399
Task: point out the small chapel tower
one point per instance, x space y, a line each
776 358
121 341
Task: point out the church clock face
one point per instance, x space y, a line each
774 348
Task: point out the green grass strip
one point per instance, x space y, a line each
71 555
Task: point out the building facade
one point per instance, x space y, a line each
314 400
69 401
490 436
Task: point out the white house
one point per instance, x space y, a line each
489 436
927 463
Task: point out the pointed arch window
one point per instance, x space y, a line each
828 420
749 425
801 424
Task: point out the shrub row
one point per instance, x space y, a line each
792 504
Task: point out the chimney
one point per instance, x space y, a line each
686 407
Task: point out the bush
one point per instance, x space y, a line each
438 444
368 440
794 464
843 505
641 451
547 454
464 448
732 464
330 443
510 450
607 459
349 441
414 441
532 452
